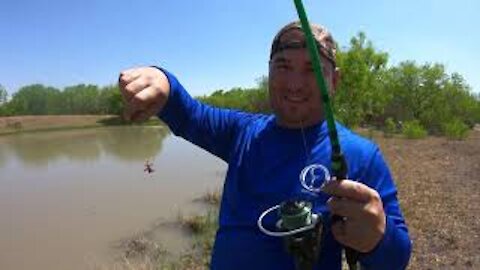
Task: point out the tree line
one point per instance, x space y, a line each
37 99
371 92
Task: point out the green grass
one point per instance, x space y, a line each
414 130
455 130
389 128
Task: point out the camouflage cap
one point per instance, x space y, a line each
325 41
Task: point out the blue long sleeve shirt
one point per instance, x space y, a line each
264 163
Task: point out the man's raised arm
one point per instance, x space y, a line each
149 90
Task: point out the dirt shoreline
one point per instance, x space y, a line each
36 123
28 123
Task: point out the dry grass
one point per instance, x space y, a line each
195 224
212 197
140 252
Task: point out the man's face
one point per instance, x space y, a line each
294 94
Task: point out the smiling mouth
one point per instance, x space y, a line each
295 99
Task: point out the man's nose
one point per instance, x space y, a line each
296 82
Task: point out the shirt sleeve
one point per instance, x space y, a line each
213 129
394 249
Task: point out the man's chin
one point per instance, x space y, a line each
297 120
290 122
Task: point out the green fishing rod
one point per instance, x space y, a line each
339 165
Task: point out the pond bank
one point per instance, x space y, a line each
37 123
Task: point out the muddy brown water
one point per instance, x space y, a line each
67 198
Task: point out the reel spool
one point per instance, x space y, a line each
301 229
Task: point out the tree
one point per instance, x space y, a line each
81 99
428 94
35 99
246 99
361 94
3 95
110 100
3 101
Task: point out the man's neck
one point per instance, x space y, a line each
299 124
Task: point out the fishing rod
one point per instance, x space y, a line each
339 165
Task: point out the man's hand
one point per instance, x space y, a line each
145 92
364 223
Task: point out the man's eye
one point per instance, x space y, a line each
282 67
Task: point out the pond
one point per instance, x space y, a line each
68 198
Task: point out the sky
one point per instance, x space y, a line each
216 44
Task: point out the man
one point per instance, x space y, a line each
266 154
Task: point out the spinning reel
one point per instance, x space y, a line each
301 229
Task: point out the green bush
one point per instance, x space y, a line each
414 130
455 130
390 127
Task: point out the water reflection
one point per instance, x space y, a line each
3 154
132 144
124 143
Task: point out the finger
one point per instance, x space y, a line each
153 108
143 99
135 86
144 115
339 231
345 207
128 76
348 189
139 103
